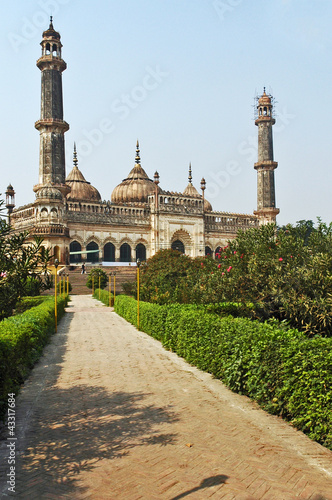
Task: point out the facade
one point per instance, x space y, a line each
141 218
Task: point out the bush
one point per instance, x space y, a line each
28 302
22 339
287 373
103 296
93 278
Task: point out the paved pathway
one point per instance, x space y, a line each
108 414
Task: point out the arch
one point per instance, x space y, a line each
109 252
44 212
54 212
208 251
141 252
93 256
178 245
56 251
75 246
125 253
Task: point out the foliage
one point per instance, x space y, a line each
23 267
22 338
287 373
58 286
93 278
103 296
26 303
284 273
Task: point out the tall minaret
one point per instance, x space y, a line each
51 125
266 204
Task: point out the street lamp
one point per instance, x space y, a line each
56 263
110 288
68 284
138 262
114 287
99 287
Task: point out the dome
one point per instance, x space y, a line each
192 191
136 187
264 99
50 192
80 189
51 33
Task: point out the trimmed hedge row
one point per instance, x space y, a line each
104 296
22 339
284 371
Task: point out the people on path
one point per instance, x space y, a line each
83 269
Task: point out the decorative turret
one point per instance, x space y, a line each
10 200
80 189
51 125
266 205
192 191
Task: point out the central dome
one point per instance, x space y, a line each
136 187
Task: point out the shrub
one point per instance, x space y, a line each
93 278
287 373
103 296
22 338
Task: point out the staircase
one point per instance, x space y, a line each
78 280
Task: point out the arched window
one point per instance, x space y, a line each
109 252
208 251
75 247
92 256
140 252
178 245
125 253
217 253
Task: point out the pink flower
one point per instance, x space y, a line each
219 266
234 252
202 265
241 256
230 267
280 259
222 274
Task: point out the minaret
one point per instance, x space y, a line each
266 205
51 125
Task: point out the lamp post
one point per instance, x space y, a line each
56 263
99 286
68 284
114 287
110 289
138 262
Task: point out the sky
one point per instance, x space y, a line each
181 76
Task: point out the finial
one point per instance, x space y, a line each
138 158
203 185
51 22
264 90
190 178
156 178
75 161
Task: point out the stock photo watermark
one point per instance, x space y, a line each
225 7
121 108
31 26
11 444
217 181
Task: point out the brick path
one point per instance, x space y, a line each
108 414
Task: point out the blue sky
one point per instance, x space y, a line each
181 76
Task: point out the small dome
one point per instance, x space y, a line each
207 206
192 191
264 99
80 189
51 33
136 187
49 192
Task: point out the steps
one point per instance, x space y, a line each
78 280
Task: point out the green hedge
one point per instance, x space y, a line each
22 339
287 373
103 296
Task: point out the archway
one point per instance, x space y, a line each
140 252
109 252
178 245
75 247
93 256
217 253
56 251
125 253
208 251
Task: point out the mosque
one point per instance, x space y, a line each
140 218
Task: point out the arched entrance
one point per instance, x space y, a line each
56 251
178 245
217 253
208 251
93 256
140 252
75 247
125 253
109 252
